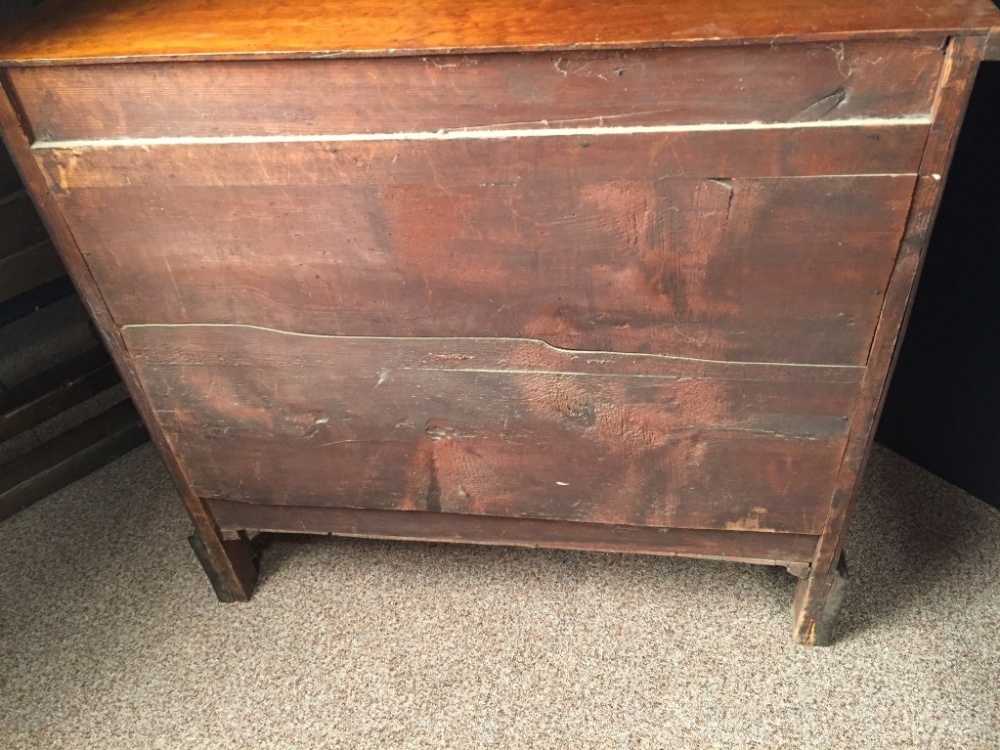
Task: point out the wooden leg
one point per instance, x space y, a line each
817 602
231 564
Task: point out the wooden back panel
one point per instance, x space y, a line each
740 84
639 242
496 427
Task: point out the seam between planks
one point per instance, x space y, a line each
460 134
506 339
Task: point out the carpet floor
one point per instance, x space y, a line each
110 636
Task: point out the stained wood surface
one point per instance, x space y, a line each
951 100
496 427
608 242
230 560
811 82
496 157
110 29
744 546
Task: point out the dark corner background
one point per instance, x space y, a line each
943 406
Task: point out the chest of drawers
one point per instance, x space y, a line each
616 279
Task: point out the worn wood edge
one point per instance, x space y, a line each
42 397
238 546
17 138
765 548
14 60
992 51
28 268
817 604
958 75
69 456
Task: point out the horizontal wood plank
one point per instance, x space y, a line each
29 268
496 427
745 546
50 392
20 226
493 156
661 87
618 245
69 456
107 30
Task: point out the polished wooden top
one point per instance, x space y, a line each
105 30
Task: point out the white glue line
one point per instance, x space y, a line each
459 134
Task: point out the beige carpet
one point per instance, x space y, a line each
110 637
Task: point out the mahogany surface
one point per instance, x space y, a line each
620 278
501 427
687 86
90 30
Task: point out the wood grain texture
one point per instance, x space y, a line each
963 60
496 427
827 82
497 156
96 30
600 247
950 102
744 546
231 560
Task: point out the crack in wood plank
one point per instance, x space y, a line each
505 339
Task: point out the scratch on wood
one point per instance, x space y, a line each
823 106
728 185
838 53
313 429
433 485
377 440
439 432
